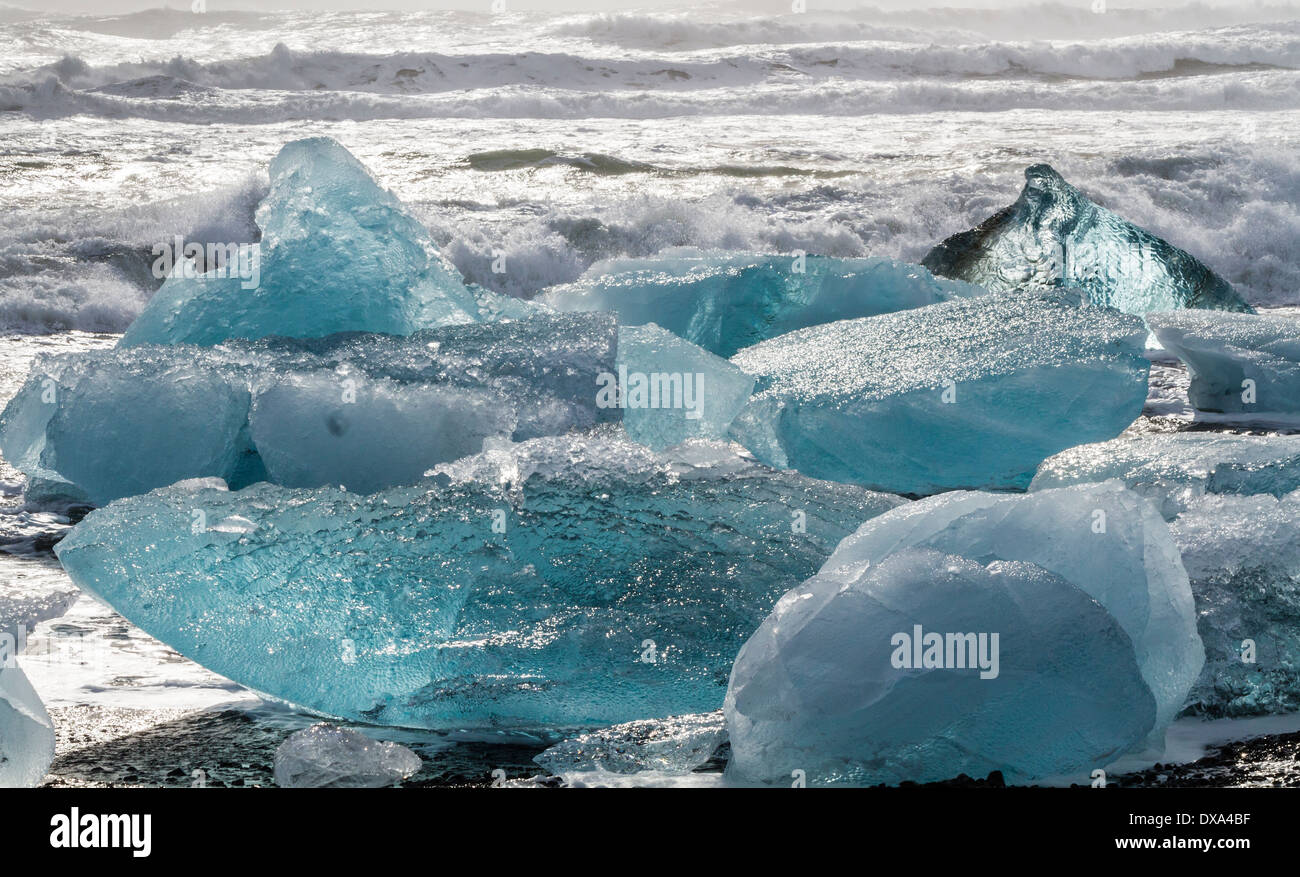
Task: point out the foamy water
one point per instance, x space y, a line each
562 140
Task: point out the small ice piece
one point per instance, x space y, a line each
678 744
971 393
326 756
578 579
338 254
726 301
1172 468
1054 236
1246 363
671 389
26 732
1102 538
922 666
363 410
1244 562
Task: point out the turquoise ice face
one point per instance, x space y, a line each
571 579
972 393
338 253
726 301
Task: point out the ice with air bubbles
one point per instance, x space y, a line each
579 579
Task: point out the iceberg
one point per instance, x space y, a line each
338 253
670 390
1097 637
1244 564
819 692
1247 363
724 302
1054 236
579 579
675 745
325 756
1172 469
971 393
368 411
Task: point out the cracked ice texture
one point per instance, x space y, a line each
407 607
1244 563
864 400
26 732
338 254
724 302
1173 469
325 756
1224 350
1053 236
685 374
814 690
367 411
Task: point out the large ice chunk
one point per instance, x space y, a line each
326 756
578 579
972 393
724 302
367 411
338 254
1237 362
1244 563
844 682
1102 538
1053 235
670 390
1172 469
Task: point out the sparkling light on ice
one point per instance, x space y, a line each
972 393
572 579
724 302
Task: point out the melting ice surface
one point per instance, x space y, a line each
578 579
1097 644
338 254
1171 469
367 411
1053 236
1225 351
971 393
724 302
325 756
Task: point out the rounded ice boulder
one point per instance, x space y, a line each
1040 635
